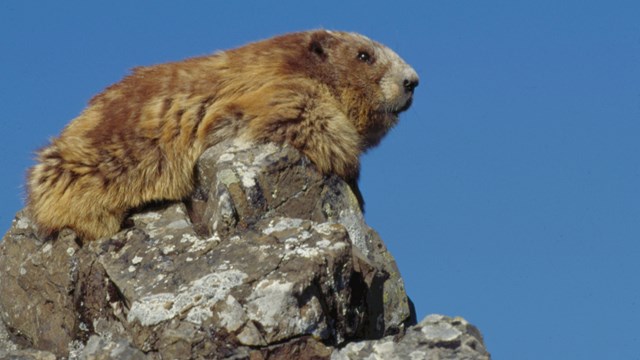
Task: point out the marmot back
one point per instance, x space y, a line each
331 95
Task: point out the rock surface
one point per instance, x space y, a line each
268 259
436 337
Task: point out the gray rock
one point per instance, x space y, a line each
39 281
11 350
268 259
101 348
436 337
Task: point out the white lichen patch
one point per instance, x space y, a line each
83 327
226 157
232 317
198 314
323 244
292 242
330 245
178 224
304 251
273 305
304 235
136 260
247 174
75 348
131 268
298 246
224 266
441 332
71 251
325 228
225 205
215 237
384 350
241 143
338 246
168 249
295 247
357 347
197 298
281 225
198 244
47 248
147 217
227 177
417 355
431 319
269 303
22 223
188 238
357 228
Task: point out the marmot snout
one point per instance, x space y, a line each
331 95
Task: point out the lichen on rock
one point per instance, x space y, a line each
267 259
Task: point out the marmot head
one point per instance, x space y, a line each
370 80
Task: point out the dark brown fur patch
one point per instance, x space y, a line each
202 112
166 105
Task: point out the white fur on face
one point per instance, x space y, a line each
392 84
395 95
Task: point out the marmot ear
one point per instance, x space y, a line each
316 48
318 43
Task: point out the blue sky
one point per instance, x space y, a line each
509 194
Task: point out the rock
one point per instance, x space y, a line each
38 283
435 337
100 348
268 259
10 350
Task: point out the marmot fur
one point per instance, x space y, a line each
331 95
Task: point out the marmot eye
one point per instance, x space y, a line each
364 56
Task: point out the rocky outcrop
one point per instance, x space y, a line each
436 337
268 259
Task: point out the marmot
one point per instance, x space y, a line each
331 95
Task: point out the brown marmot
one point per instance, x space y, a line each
331 95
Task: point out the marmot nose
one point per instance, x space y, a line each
410 84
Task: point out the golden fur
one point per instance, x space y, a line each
330 94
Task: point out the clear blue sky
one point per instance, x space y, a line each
509 194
